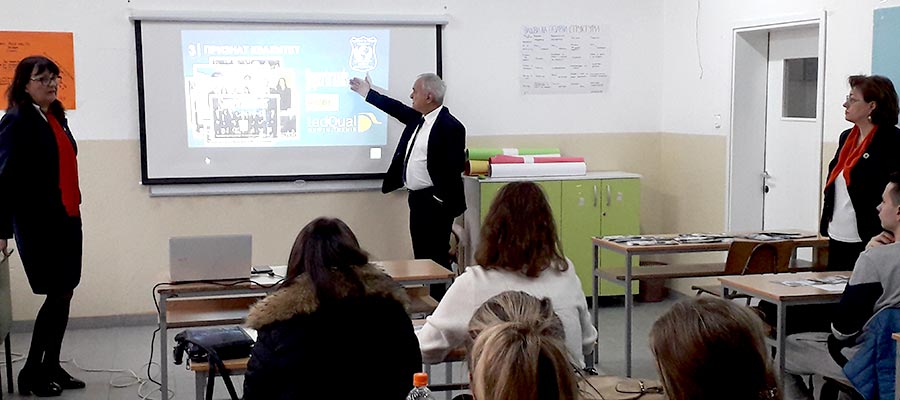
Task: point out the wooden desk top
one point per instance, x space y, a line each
769 286
414 270
812 241
400 270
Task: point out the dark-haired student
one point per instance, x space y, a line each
334 312
41 206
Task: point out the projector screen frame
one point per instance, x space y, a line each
438 21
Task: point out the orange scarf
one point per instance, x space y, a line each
68 169
850 154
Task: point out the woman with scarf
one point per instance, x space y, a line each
866 155
40 207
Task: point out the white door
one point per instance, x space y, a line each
791 178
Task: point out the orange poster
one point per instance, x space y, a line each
57 46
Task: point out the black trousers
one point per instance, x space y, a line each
842 255
429 227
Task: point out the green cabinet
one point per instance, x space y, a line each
598 208
598 204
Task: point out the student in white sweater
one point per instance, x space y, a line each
519 250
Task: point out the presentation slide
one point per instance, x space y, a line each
248 102
282 88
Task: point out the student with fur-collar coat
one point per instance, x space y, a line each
335 316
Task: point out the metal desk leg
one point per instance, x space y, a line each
9 373
780 338
200 384
629 303
448 375
595 289
163 349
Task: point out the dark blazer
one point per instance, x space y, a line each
867 180
31 209
308 350
446 152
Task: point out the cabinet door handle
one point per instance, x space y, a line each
596 195
608 196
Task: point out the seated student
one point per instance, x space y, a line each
519 250
334 311
874 286
517 351
708 348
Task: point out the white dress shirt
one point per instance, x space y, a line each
843 219
417 177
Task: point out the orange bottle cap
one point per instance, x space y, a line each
420 379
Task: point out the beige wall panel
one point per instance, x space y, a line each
127 231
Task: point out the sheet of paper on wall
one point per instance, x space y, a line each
564 59
57 46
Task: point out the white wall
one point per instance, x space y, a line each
481 65
690 101
481 60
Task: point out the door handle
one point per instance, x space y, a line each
608 196
596 195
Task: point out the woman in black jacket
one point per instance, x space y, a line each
334 317
40 207
866 156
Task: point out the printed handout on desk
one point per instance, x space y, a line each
667 240
835 283
651 242
701 238
773 236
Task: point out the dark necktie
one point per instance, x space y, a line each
412 143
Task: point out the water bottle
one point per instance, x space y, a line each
420 391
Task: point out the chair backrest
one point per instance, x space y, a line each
459 247
758 257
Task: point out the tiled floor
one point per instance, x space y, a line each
126 348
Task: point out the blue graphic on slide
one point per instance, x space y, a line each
283 88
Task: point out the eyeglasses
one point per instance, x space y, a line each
46 80
850 100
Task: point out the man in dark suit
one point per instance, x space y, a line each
429 161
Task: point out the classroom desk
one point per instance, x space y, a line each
629 251
769 287
207 304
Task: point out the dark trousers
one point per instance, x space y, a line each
429 227
49 330
842 255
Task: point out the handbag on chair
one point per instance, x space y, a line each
213 345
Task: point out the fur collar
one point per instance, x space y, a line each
300 298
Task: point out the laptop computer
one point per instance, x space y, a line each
210 258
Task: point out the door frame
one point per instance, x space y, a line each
749 78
